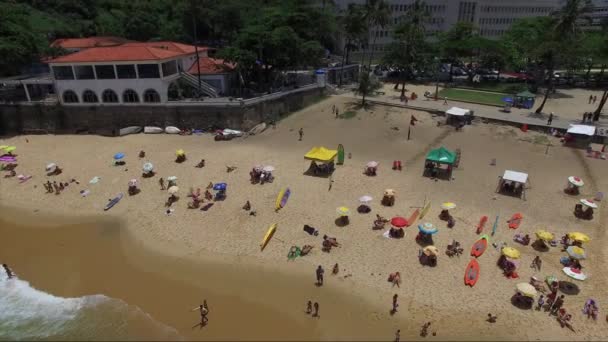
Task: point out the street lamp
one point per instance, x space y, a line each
436 59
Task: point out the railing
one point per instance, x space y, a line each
194 81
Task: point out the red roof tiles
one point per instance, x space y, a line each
85 43
211 66
126 52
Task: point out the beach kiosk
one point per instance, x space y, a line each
579 135
435 159
458 116
513 183
525 99
321 161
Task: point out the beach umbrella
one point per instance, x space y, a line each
51 167
219 186
430 250
372 164
180 152
133 182
589 203
389 192
173 190
576 252
574 273
172 178
343 211
398 222
2 147
511 252
365 199
427 228
526 289
119 156
544 235
148 167
268 168
580 237
448 205
576 181
9 149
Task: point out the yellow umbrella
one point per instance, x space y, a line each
430 250
544 235
511 252
580 237
180 152
10 148
526 289
343 211
448 205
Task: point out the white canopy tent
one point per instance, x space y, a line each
456 111
513 183
582 129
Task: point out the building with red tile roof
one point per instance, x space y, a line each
77 44
211 66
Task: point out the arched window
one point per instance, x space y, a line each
130 96
89 96
70 97
109 96
151 95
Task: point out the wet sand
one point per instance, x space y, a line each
78 257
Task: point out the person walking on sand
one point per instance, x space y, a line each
8 271
445 100
395 304
320 272
316 314
309 308
550 120
425 329
301 133
590 98
161 182
398 335
203 310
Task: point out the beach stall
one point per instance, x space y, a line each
525 99
579 136
435 159
321 161
513 183
458 116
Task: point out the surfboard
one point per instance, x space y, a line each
495 225
413 217
285 197
482 223
479 247
471 274
425 210
515 220
113 202
340 154
268 235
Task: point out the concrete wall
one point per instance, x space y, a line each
107 120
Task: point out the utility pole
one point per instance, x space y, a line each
198 66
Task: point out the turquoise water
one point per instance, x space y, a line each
30 314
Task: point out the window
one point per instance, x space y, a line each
70 97
105 72
151 95
169 68
148 71
126 71
89 96
109 96
130 96
63 72
84 72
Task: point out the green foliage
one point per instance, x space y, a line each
17 41
368 84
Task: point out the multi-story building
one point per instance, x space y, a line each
492 17
597 16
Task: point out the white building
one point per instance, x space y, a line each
598 15
492 17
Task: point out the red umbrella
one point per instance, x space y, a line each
399 222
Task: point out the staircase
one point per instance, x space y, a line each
192 80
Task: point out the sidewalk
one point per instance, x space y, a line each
517 116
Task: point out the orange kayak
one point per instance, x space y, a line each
471 274
479 247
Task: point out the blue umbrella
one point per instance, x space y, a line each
219 186
427 228
507 99
119 156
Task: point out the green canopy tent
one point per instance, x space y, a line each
525 99
437 157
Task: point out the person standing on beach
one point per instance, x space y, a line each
590 98
320 272
161 182
398 335
395 304
550 120
301 133
316 314
204 310
8 271
309 308
337 113
331 181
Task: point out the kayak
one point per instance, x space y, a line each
172 130
282 198
479 247
515 221
268 235
153 130
482 223
129 130
113 202
471 274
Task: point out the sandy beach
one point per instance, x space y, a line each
270 292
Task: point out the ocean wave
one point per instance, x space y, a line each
27 313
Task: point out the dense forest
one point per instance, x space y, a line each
273 32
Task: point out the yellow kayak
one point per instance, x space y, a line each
277 204
268 235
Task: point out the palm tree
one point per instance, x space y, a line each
354 29
376 14
566 34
